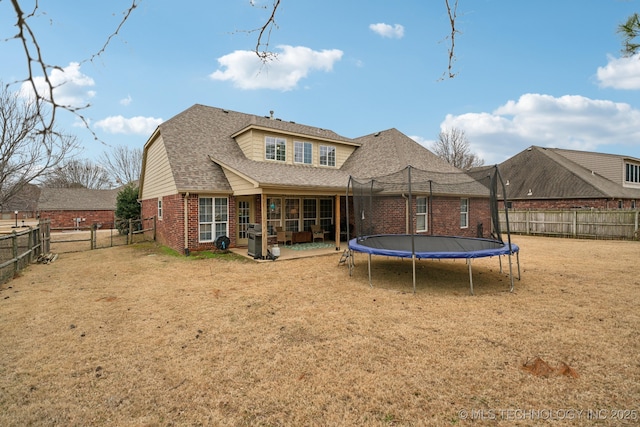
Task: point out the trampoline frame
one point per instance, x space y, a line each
499 249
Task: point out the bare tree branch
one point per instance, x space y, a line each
26 152
453 15
44 99
124 164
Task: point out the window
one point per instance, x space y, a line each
633 204
620 204
160 208
421 214
309 211
302 152
464 213
275 148
292 214
632 173
274 214
327 155
213 218
326 213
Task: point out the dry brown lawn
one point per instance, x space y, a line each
131 336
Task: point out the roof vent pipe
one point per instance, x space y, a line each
271 114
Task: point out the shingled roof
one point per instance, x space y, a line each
76 199
200 140
548 173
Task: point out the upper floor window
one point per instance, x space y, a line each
327 155
275 148
632 173
302 152
464 213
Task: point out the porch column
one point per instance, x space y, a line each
337 222
263 221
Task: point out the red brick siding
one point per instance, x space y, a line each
65 219
388 216
170 228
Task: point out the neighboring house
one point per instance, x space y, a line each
78 207
552 178
25 203
210 172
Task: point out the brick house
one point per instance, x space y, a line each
553 178
78 207
210 172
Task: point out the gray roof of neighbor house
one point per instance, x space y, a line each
550 173
200 143
76 199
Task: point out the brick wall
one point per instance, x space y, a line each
170 228
66 219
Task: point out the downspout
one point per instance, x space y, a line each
186 224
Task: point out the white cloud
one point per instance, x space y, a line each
135 125
390 31
571 121
126 101
292 64
621 73
71 87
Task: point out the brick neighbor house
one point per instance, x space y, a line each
78 207
553 178
209 173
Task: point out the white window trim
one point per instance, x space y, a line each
425 214
328 148
303 144
213 216
159 207
276 141
465 213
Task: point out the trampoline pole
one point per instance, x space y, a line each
370 284
518 261
414 273
500 259
511 272
470 275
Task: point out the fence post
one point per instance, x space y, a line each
14 241
574 224
130 236
93 237
155 217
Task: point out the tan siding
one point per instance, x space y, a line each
245 142
158 179
252 144
239 184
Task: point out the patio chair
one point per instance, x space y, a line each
284 236
318 232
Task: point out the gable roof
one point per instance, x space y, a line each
201 149
200 141
549 173
77 199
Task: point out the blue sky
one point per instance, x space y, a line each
546 72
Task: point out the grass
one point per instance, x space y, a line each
132 335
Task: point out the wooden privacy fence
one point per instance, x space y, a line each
20 248
578 223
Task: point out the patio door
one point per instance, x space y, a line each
244 213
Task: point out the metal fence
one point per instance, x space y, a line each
119 233
577 223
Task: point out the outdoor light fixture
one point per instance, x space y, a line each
16 212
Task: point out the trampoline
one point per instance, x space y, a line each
434 247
